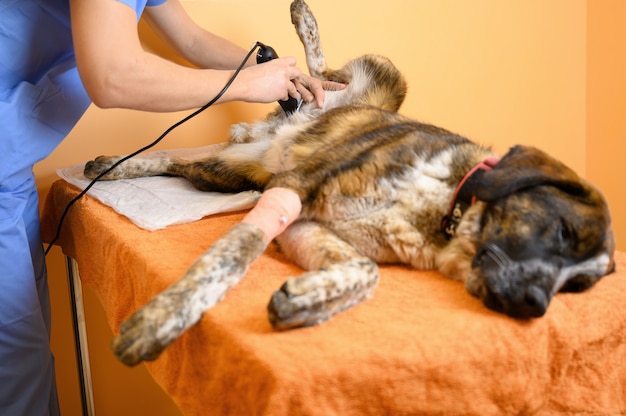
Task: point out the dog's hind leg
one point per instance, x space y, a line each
236 168
338 277
129 169
308 32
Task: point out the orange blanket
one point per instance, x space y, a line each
422 345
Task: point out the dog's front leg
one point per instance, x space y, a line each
160 322
338 277
316 296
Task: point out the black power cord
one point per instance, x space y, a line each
143 149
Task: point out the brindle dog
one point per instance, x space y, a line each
375 187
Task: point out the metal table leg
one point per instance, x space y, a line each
80 336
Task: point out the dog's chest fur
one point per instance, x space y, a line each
378 180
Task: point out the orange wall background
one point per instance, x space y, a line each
605 143
543 73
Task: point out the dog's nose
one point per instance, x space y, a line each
535 302
531 303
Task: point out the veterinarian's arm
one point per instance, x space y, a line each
117 72
207 50
199 46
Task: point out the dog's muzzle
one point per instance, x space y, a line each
506 289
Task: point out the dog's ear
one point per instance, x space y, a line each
525 167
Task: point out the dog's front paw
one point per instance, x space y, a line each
240 133
288 310
136 342
101 164
316 296
146 334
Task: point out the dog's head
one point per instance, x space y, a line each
537 230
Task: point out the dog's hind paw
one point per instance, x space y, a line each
101 164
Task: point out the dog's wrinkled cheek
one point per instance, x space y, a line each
484 284
484 262
477 287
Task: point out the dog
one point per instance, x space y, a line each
377 187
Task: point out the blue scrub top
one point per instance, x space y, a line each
41 95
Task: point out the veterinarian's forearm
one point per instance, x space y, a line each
200 47
118 73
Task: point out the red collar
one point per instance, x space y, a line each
464 195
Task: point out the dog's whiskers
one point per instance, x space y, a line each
498 255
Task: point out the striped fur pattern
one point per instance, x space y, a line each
374 186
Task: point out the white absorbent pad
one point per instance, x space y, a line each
155 202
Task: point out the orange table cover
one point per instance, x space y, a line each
420 346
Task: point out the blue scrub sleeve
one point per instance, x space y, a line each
139 5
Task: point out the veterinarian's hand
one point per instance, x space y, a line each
311 88
268 82
280 79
